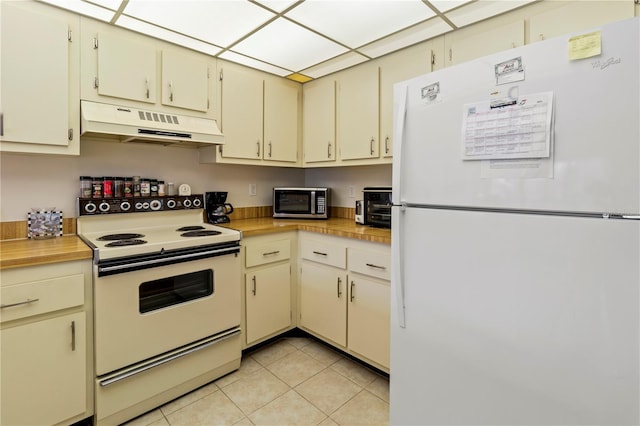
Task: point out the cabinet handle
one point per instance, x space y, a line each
258 152
372 141
339 285
269 149
329 149
320 253
371 265
171 91
73 335
146 82
269 253
254 285
351 296
10 305
386 145
1 124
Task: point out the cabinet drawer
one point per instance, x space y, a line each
269 252
374 264
324 252
39 297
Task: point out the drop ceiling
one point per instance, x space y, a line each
299 39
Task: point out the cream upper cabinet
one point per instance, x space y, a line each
319 121
40 109
584 15
400 66
481 40
281 120
357 113
184 76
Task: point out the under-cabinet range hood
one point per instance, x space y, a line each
127 124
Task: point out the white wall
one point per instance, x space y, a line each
42 181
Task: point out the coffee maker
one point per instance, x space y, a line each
217 207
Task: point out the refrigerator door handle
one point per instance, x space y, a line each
631 216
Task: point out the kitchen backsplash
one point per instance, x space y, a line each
41 181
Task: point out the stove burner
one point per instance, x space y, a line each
129 242
190 228
203 233
116 237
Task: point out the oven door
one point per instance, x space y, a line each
147 311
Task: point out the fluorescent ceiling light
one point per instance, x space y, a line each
109 4
482 9
276 5
421 32
355 23
170 36
220 22
446 5
83 8
336 64
253 63
288 45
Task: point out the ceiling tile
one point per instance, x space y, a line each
482 9
446 5
288 45
355 23
336 64
421 32
83 8
109 4
219 22
276 5
253 63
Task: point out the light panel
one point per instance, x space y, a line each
276 5
355 23
336 64
218 22
446 5
109 4
288 45
253 63
83 8
482 9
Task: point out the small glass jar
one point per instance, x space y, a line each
86 186
145 187
96 191
118 186
136 186
107 187
161 192
171 189
127 190
153 186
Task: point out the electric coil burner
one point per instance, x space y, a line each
166 308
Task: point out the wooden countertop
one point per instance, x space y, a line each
337 227
25 252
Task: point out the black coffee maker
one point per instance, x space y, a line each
217 207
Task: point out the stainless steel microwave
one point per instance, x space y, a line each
302 203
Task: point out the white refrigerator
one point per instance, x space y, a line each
516 237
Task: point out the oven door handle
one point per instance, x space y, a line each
150 263
169 357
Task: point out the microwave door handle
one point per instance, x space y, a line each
313 202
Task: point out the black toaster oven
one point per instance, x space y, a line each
377 206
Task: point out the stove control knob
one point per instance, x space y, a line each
186 203
125 206
145 205
104 207
155 204
90 207
197 202
171 203
138 205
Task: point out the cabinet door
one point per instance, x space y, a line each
465 45
242 93
323 296
369 318
38 79
319 121
281 121
268 301
44 371
126 68
358 102
185 81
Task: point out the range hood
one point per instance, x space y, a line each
127 124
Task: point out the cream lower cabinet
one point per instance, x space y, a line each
268 289
344 295
46 344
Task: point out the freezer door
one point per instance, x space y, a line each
514 319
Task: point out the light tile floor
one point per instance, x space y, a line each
293 381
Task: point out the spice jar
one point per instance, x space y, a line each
128 187
153 185
97 187
136 186
161 192
145 187
107 187
118 186
86 186
171 189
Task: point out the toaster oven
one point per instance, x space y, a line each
377 206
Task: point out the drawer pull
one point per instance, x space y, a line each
9 305
320 253
269 253
376 266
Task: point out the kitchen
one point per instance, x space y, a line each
38 181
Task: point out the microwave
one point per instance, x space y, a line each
377 206
301 203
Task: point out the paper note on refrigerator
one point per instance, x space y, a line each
508 128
